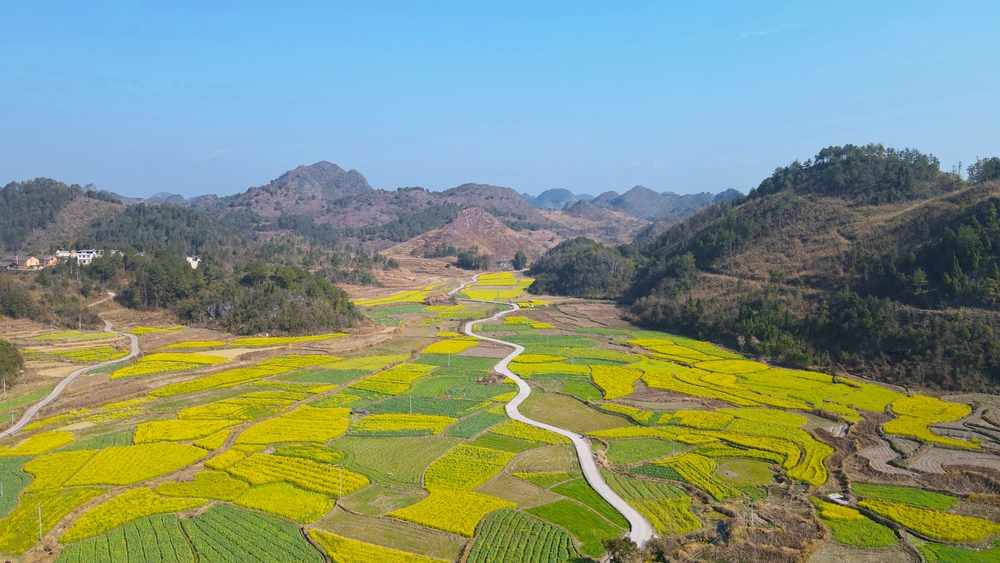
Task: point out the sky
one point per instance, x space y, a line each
216 97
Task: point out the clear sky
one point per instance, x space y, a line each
215 97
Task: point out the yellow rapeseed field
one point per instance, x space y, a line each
122 509
458 512
304 424
343 550
179 430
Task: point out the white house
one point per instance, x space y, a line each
194 261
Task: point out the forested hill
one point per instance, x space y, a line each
864 258
34 205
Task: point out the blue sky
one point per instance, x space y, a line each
215 97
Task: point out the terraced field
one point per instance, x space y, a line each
257 459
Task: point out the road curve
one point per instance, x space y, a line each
641 530
62 385
474 279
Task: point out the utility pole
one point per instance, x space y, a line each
449 360
39 522
5 387
341 479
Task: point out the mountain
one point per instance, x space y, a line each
608 225
472 227
557 198
166 197
863 258
652 206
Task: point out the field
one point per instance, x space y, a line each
509 536
395 445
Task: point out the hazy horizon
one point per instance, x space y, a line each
194 99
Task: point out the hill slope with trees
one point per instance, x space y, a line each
863 258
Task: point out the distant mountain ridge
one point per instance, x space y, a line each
639 201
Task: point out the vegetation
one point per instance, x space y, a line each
343 550
122 509
458 512
31 205
584 268
508 536
907 495
934 524
225 534
589 528
157 539
851 527
11 362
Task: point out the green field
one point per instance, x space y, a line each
569 413
498 491
397 462
586 526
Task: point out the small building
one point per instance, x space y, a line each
30 263
46 260
7 264
193 261
84 257
65 254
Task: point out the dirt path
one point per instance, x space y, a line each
62 385
474 279
641 530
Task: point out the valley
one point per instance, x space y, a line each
394 440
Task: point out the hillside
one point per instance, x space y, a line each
865 258
472 227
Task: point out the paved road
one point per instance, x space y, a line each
33 409
461 287
642 530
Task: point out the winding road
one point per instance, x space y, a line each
62 385
641 530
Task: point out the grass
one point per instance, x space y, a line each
566 412
475 424
396 462
224 534
544 479
667 507
582 390
330 376
401 425
214 485
578 489
743 472
281 340
394 534
15 402
503 443
586 526
379 500
624 452
907 495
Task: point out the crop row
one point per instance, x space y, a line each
38 444
304 424
157 539
509 536
452 346
615 381
94 354
261 469
465 468
215 485
280 340
518 429
126 507
396 380
178 430
458 512
698 471
918 412
17 533
288 501
932 523
850 527
401 425
344 550
225 534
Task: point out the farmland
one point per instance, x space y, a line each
399 447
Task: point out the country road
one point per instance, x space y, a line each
474 279
62 385
641 529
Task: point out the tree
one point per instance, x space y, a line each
10 362
621 550
919 279
520 260
984 170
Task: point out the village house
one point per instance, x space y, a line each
46 260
